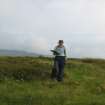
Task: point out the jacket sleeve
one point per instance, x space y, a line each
65 52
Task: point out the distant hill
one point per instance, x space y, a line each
6 52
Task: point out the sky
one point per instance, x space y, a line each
37 25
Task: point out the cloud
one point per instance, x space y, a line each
24 41
37 25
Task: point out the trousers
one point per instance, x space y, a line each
58 68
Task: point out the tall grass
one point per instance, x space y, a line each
26 81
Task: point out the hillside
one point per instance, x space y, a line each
6 52
26 81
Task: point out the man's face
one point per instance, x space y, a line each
60 43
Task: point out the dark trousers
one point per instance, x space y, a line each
58 68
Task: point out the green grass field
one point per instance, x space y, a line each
26 81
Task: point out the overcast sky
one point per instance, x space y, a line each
37 25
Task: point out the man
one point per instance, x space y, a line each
59 61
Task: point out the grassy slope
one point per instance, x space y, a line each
26 81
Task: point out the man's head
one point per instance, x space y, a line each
61 42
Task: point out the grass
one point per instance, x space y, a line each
26 81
